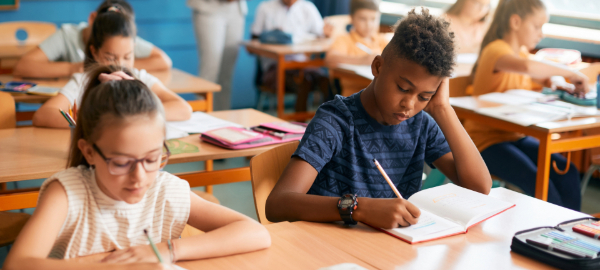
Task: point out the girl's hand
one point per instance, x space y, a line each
136 254
115 76
581 83
441 99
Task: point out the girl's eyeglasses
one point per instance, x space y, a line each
124 165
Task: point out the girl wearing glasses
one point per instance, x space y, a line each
113 189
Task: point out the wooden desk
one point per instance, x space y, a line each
279 52
34 153
176 80
485 246
291 248
466 107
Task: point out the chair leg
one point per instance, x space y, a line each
587 176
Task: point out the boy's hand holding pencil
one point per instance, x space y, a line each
386 213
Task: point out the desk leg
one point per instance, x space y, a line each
543 168
209 168
280 85
209 101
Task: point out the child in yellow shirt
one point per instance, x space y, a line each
361 45
503 64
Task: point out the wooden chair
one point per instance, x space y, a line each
340 24
11 223
458 86
15 48
265 170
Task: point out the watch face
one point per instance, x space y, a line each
346 202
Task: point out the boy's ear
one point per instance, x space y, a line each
515 22
92 17
86 150
377 65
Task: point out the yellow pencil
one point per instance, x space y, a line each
387 178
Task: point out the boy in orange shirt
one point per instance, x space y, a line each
361 45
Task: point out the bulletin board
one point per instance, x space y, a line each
9 4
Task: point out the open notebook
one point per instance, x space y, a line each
448 210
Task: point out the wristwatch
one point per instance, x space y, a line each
346 205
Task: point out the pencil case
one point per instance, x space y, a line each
238 138
564 96
563 246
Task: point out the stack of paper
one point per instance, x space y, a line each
361 70
199 123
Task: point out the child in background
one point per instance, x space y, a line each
111 42
469 22
361 45
386 121
113 189
302 20
62 54
503 64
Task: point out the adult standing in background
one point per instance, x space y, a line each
219 28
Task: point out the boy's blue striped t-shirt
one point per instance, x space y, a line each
342 139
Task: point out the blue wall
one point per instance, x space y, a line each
166 23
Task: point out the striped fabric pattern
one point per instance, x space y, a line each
96 223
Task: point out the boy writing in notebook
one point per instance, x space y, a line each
62 54
403 118
361 45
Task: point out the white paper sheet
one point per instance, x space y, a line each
362 70
200 122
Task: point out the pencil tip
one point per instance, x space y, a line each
145 231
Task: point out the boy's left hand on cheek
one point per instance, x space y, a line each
134 254
441 99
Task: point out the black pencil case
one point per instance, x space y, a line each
553 258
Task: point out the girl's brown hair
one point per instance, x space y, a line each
457 8
102 103
113 21
501 23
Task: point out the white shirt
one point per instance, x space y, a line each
96 223
66 44
73 90
302 20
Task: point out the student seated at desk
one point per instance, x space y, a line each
302 20
385 121
469 22
113 190
362 44
62 54
503 64
111 41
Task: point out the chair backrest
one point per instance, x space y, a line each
265 169
458 86
340 24
36 32
8 118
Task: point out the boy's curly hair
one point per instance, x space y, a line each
425 40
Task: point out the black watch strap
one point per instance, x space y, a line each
346 206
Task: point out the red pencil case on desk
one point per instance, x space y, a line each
238 138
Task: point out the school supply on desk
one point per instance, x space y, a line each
561 56
265 134
68 117
569 245
361 70
17 87
387 179
448 210
200 122
153 247
275 37
524 107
